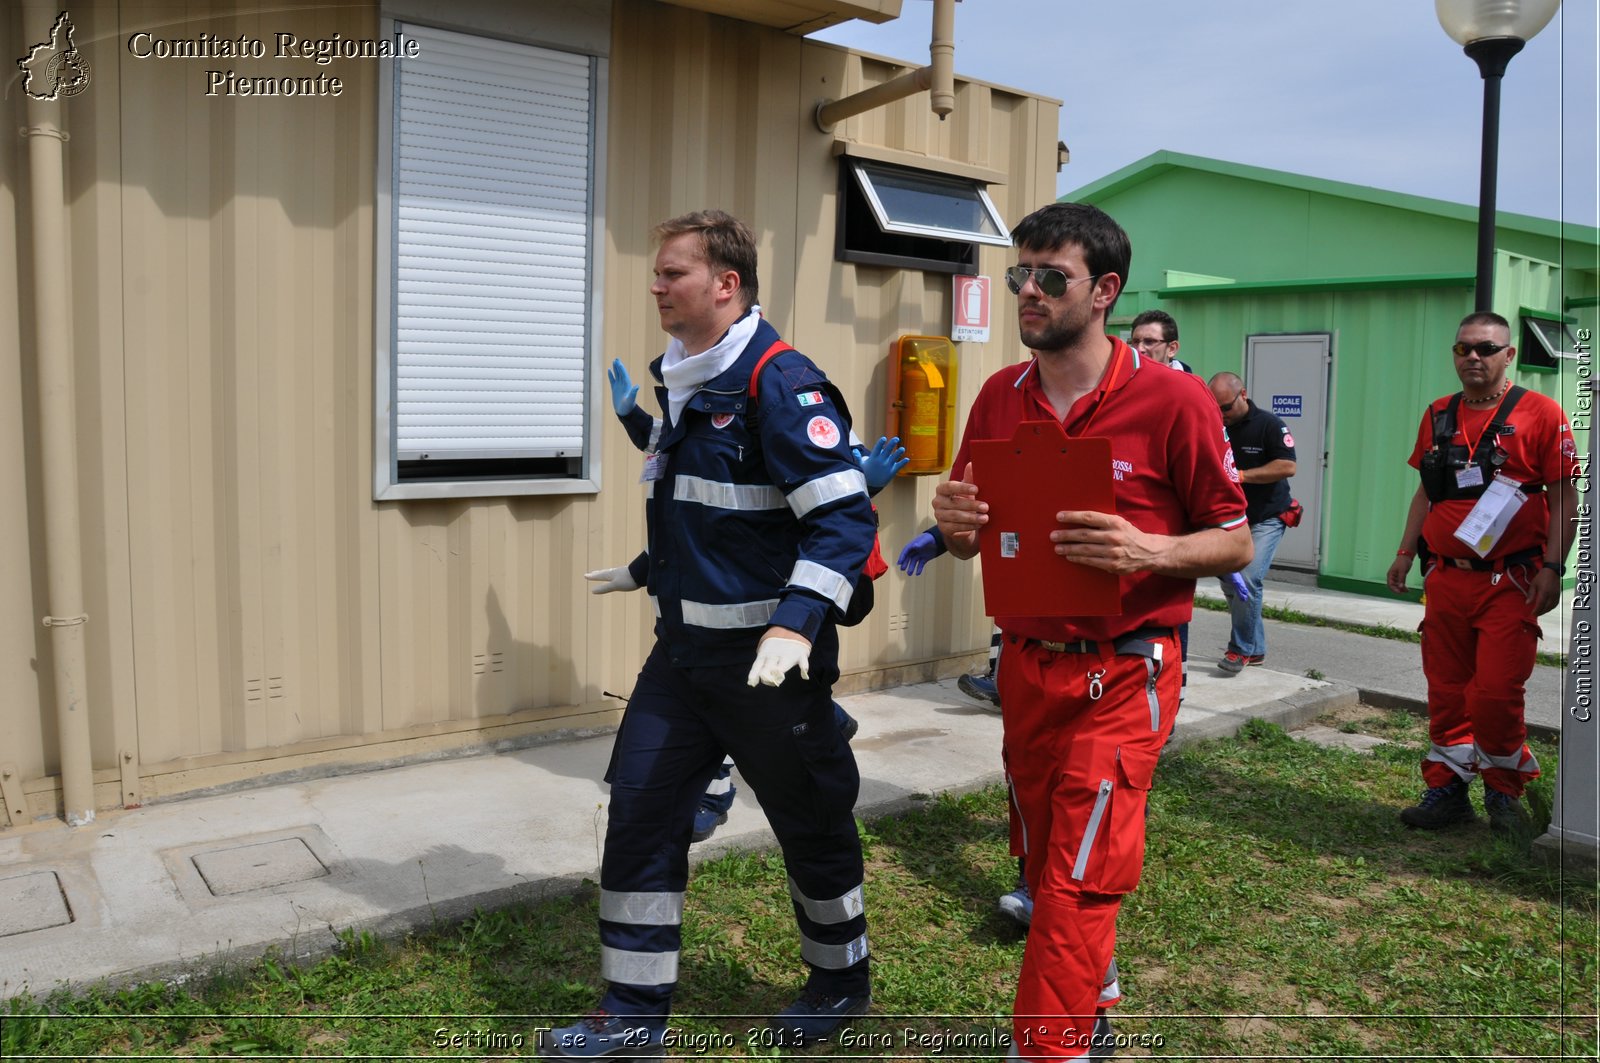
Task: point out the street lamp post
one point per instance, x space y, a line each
1491 32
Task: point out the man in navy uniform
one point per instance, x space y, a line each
759 527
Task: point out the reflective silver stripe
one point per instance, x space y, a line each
638 968
641 909
1152 668
719 495
833 957
720 785
656 425
839 910
825 489
1017 807
655 605
725 617
1111 988
824 580
1082 863
1510 762
1461 758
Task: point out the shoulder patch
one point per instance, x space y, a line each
1288 440
810 398
823 432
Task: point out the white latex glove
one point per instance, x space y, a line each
606 580
775 656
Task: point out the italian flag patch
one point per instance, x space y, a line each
811 398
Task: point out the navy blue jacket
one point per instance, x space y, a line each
753 525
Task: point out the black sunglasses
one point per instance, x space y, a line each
1483 349
1228 406
1052 282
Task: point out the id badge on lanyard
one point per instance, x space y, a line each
1490 517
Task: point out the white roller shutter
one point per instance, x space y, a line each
492 213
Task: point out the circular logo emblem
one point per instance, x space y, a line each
721 420
1228 465
823 432
1288 440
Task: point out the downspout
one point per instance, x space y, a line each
939 76
58 440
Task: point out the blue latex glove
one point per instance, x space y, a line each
886 458
1240 586
919 551
624 392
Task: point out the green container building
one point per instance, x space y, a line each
1337 304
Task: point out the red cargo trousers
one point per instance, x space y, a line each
1083 732
1479 641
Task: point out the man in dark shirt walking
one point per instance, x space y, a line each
1263 451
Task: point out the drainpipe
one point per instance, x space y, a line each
58 447
938 75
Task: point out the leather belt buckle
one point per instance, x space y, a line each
1053 647
1461 562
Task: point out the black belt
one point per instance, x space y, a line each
1135 642
1497 564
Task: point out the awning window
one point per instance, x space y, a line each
920 203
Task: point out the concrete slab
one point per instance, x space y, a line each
263 865
1331 738
33 902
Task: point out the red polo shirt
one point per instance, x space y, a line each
1172 467
1539 450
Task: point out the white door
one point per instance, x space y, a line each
1288 375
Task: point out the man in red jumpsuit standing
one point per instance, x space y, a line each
1489 448
1089 701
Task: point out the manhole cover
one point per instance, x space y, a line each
258 867
33 902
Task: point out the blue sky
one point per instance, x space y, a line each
1367 91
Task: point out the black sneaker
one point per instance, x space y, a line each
1507 818
981 688
706 822
1440 807
848 725
814 1016
601 1035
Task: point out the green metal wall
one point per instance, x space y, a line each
1391 328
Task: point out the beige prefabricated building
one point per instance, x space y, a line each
200 584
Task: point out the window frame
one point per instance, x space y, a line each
1549 360
388 483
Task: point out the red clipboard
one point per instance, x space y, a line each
1026 480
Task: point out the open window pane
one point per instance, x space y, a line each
919 203
1551 340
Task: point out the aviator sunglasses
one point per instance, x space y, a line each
1483 349
1052 282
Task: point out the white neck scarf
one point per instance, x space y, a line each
686 374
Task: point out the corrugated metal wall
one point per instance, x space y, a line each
1391 356
252 609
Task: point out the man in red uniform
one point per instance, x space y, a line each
1089 701
1490 448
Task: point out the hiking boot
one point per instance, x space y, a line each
814 1016
1440 807
1018 904
1507 818
706 821
1102 1042
1233 662
601 1035
981 688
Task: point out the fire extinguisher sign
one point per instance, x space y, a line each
970 316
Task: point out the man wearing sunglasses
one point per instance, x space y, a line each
1088 701
1155 336
1263 450
1492 519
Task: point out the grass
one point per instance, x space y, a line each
1284 912
1379 631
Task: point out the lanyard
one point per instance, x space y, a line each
1472 444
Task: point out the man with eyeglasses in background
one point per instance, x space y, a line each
1088 701
1263 452
1493 518
1155 336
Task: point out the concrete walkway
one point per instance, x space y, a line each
166 890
